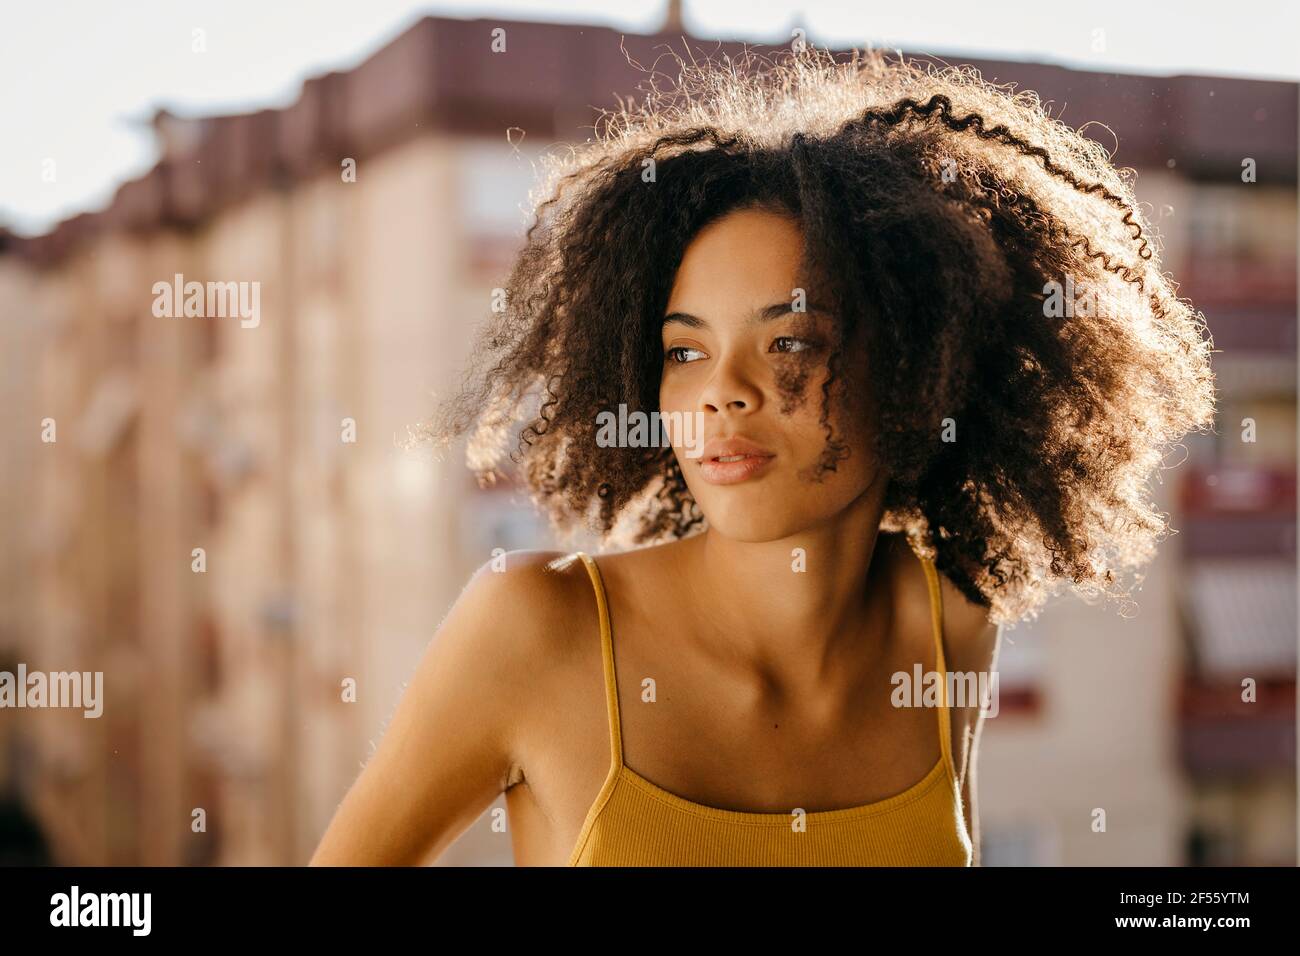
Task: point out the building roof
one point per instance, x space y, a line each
554 78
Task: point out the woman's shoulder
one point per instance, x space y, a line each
968 635
967 631
542 590
537 596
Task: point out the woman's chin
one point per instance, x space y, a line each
750 524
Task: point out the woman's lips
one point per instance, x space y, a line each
717 472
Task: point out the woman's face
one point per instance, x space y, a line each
732 334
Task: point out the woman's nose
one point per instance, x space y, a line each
732 390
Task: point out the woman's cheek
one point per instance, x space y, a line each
669 399
797 387
673 399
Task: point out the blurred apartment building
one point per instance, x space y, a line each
326 559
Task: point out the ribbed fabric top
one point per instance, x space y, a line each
634 822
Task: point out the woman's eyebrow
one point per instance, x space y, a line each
759 316
686 319
781 309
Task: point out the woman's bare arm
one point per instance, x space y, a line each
974 643
984 650
449 749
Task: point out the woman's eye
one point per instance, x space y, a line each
789 343
675 354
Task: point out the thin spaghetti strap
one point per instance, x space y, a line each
936 616
607 653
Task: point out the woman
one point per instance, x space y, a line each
923 331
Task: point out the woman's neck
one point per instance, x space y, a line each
790 608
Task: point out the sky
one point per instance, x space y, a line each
80 80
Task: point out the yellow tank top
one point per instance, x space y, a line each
634 822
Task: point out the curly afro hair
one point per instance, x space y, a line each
946 215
